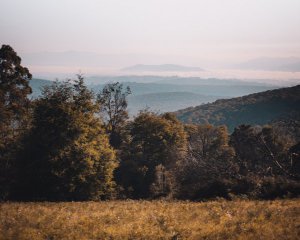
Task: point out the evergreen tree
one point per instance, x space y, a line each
14 107
67 154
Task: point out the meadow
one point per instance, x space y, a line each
220 219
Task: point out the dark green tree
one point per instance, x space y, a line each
210 162
267 162
261 150
14 107
294 159
67 154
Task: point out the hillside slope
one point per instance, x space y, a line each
258 108
37 85
166 101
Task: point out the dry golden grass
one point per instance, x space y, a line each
278 219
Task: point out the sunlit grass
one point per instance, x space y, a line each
278 219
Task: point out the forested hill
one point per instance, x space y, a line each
258 108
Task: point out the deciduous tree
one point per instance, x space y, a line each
209 163
113 105
156 144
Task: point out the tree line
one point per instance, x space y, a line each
72 144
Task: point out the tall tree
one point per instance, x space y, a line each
14 103
156 144
68 155
209 162
113 105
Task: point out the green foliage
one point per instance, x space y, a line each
67 154
262 151
14 86
156 144
209 164
14 107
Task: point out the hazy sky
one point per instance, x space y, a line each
215 30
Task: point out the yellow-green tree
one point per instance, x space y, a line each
67 154
155 145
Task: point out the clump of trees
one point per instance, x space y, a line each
72 144
66 155
209 164
153 147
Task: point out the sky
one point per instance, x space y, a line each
197 32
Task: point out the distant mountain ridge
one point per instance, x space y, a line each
139 88
178 80
161 68
166 97
255 109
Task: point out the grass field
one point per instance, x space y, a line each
279 219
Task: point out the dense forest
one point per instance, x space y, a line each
255 109
75 144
